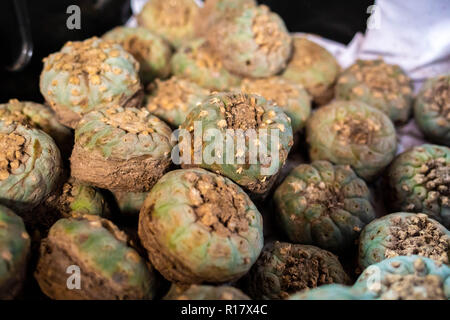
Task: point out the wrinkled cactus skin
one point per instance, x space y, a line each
109 267
14 248
353 133
121 158
284 268
40 117
328 292
89 75
172 20
152 52
418 180
380 85
205 292
314 67
188 247
213 114
39 172
197 62
324 205
291 97
246 46
375 238
215 10
432 109
173 99
371 283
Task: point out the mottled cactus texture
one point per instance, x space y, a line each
418 180
14 250
109 268
327 292
403 234
89 75
227 115
200 227
198 62
314 67
130 203
173 99
291 97
432 109
40 117
121 149
205 292
284 268
78 197
405 278
381 85
172 20
254 43
30 166
215 10
353 133
151 51
398 278
324 205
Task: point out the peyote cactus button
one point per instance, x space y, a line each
108 268
89 75
215 10
351 132
254 43
323 204
284 268
200 227
14 250
314 67
121 149
418 180
252 139
40 117
327 292
173 20
173 99
197 61
292 98
405 278
152 52
130 203
432 109
30 166
403 234
381 85
204 292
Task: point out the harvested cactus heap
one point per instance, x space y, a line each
162 165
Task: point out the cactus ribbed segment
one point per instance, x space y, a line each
254 43
432 109
353 133
14 250
418 180
198 62
200 227
172 20
403 234
89 75
324 205
152 52
381 85
109 268
313 67
121 149
284 268
30 166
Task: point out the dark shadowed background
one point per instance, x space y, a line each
336 20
